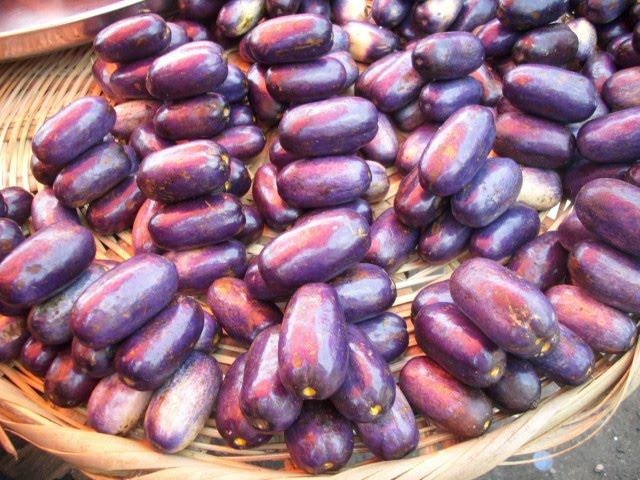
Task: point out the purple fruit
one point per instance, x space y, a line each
587 37
622 89
43 172
210 335
275 211
496 39
128 81
253 225
391 241
132 38
235 87
387 333
64 385
239 181
46 210
554 44
571 231
448 55
415 206
598 68
390 13
379 186
140 237
414 145
266 108
102 71
258 287
10 236
130 115
384 146
307 81
13 335
18 202
37 357
443 240
344 11
96 363
525 15
602 11
542 261
348 63
519 388
474 13
432 16
198 117
276 8
243 142
583 171
241 115
491 84
117 210
439 100
409 117
541 188
369 42
435 293
145 141
612 138
509 310
237 17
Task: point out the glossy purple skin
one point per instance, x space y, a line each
519 388
132 114
605 329
276 8
569 362
414 145
49 321
243 142
532 141
13 335
379 186
603 11
241 115
128 81
240 314
149 357
179 409
622 89
439 100
323 182
195 30
10 236
199 222
340 39
96 363
344 11
489 194
239 178
369 42
491 84
542 261
230 421
210 335
443 240
435 15
264 400
74 129
238 17
132 38
317 250
518 225
47 210
550 92
140 237
435 293
18 202
415 206
384 146
123 300
624 55
572 231
583 172
278 156
199 9
199 267
448 55
37 357
509 310
92 174
258 287
594 204
45 263
458 150
321 8
633 175
410 117
554 44
587 37
496 39
266 108
253 225
274 210
43 172
387 333
348 63
368 390
394 83
525 15
329 127
612 138
598 68
460 409
606 274
169 175
115 408
198 117
321 439
64 385
312 350
364 291
306 82
116 211
446 334
391 241
474 13
390 13
235 86
290 38
145 141
102 71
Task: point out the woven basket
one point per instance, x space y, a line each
34 89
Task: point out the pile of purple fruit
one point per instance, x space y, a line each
506 108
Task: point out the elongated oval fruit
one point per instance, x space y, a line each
321 439
323 182
572 231
622 89
148 357
550 92
211 334
145 141
237 17
277 213
258 287
391 241
415 206
241 315
607 274
595 203
133 38
584 171
235 86
446 335
13 335
435 15
266 108
198 117
117 209
611 138
489 194
329 127
457 150
123 300
290 38
541 188
525 15
554 44
179 409
312 349
414 145
37 357
598 68
510 311
570 361
265 401
64 385
389 13
368 390
379 186
231 423
435 293
128 81
10 236
443 240
187 71
605 329
496 38
140 236
18 202
199 222
49 320
45 263
317 250
307 81
542 261
96 363
73 130
114 407
519 388
448 55
460 409
384 146
184 171
439 100
368 42
130 115
242 142
387 333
